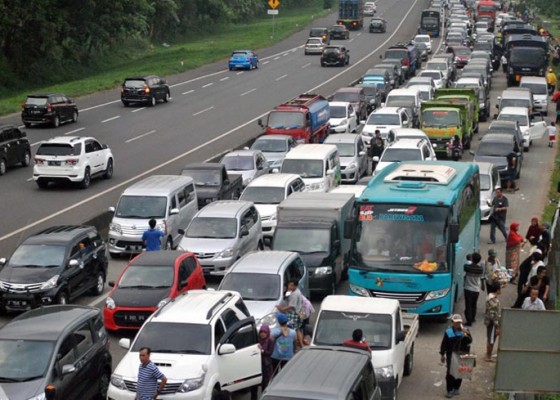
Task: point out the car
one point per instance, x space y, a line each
63 346
72 159
356 96
373 96
261 278
384 119
405 150
532 125
436 75
52 109
342 117
494 148
370 8
274 148
426 92
378 24
202 342
148 89
426 39
335 55
313 46
53 266
421 81
146 283
243 59
442 65
249 163
339 32
397 65
14 148
489 180
322 33
352 152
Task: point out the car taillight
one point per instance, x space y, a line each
146 89
72 161
354 23
404 61
49 106
39 161
340 23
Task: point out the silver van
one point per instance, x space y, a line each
169 199
489 180
539 88
221 233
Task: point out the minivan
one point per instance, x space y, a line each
169 199
515 97
408 98
352 151
539 89
317 164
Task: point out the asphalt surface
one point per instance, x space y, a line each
210 114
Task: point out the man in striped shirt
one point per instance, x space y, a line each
148 375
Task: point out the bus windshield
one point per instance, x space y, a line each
401 238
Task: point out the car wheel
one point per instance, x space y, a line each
3 166
169 244
62 298
166 97
56 121
104 386
125 103
84 184
409 362
215 393
333 285
305 53
153 101
26 159
109 170
231 69
75 116
42 183
97 290
114 256
27 124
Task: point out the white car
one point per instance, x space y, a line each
436 75
426 39
441 64
384 119
249 163
405 150
72 159
343 117
532 126
370 8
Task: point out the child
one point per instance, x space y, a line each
551 134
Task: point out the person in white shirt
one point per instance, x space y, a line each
533 303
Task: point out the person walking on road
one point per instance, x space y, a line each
148 376
533 303
513 249
375 150
473 283
551 129
551 80
499 206
492 317
455 339
292 305
152 237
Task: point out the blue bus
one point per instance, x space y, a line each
413 227
430 23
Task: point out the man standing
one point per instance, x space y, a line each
376 148
512 161
152 237
492 318
291 306
455 339
499 212
533 302
473 275
148 375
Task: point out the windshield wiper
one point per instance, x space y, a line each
177 351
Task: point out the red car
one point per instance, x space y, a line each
461 55
148 281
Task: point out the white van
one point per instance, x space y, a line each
169 199
532 125
317 164
408 98
516 97
539 88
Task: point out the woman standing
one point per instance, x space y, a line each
266 345
534 229
513 249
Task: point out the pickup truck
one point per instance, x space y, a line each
389 333
213 182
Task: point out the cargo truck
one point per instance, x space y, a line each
305 118
461 95
351 14
312 224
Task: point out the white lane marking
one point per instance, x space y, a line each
202 111
74 131
138 109
281 77
208 84
306 65
351 40
285 54
225 78
265 62
29 180
110 119
240 73
97 300
359 34
188 91
248 91
140 136
197 148
276 58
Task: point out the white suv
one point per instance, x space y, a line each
384 119
202 341
72 159
405 150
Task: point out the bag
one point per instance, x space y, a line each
306 308
462 366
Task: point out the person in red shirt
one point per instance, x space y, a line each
357 341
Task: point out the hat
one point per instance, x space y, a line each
492 253
497 187
281 318
456 318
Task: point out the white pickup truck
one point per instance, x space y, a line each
389 333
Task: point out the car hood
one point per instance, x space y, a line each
498 161
266 210
314 260
131 297
274 156
27 275
383 129
209 245
259 309
24 390
176 367
345 161
336 121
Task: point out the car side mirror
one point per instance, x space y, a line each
181 231
362 153
174 211
260 123
68 369
2 260
226 348
111 283
73 263
111 209
375 159
124 343
330 172
401 335
275 170
243 231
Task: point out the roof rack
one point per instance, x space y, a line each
220 302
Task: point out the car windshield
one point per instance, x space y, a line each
522 119
203 178
331 50
484 182
212 228
425 39
267 145
264 194
400 101
334 327
28 359
515 103
141 207
59 149
174 338
239 163
396 155
314 41
462 52
38 256
383 119
376 22
304 168
424 94
398 54
338 111
134 83
432 74
147 276
536 88
493 149
304 241
439 66
338 28
36 101
346 97
286 120
440 118
253 287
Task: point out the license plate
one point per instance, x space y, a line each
136 318
56 163
517 78
35 112
17 303
137 248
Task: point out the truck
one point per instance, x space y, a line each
213 182
312 224
351 14
441 120
487 8
389 333
527 55
458 94
305 118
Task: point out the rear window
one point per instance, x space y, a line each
36 101
134 83
399 54
59 149
536 88
332 50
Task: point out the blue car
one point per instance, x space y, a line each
243 59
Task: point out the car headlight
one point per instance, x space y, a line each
343 122
385 372
247 181
191 384
510 70
360 291
38 397
163 302
269 319
50 284
118 382
323 271
352 165
110 303
273 217
115 228
228 253
437 294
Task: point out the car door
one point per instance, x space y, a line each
352 119
362 159
90 259
241 369
537 126
188 278
247 223
91 156
75 275
10 149
297 270
20 144
86 375
66 385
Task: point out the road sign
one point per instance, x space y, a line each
273 4
272 12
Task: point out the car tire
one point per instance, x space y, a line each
26 159
84 184
42 183
97 290
126 103
56 121
153 101
104 385
61 298
27 124
215 392
75 116
409 362
166 97
109 170
3 166
169 244
257 65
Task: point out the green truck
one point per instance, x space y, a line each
459 94
442 119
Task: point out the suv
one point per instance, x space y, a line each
72 159
354 95
14 148
63 346
54 109
384 119
144 89
203 341
322 33
339 32
53 266
405 150
335 55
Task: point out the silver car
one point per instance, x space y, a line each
249 163
352 151
274 148
314 45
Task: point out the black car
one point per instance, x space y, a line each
339 32
64 347
144 89
14 148
335 55
53 109
377 25
53 266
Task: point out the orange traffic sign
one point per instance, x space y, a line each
273 4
